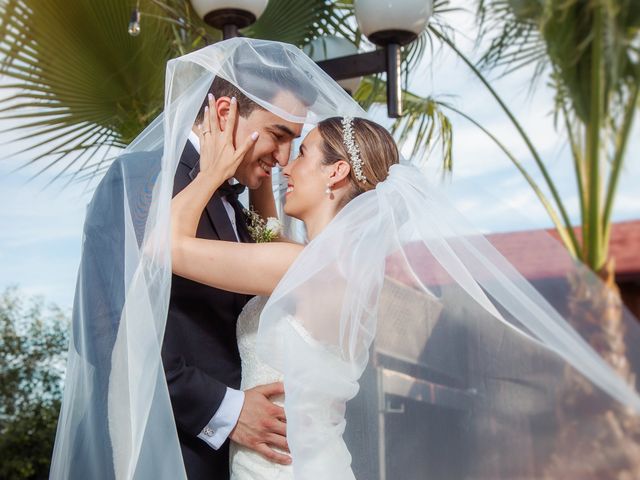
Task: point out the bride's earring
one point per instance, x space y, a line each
328 191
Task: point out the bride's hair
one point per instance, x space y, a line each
378 151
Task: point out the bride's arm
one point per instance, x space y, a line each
237 267
250 268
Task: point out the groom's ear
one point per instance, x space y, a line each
222 111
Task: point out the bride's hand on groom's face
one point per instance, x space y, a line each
262 425
218 153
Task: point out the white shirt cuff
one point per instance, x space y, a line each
219 427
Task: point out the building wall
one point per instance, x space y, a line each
630 291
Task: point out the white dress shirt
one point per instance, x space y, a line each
226 417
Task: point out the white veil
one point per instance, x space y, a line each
396 302
411 348
116 419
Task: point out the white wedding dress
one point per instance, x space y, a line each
245 464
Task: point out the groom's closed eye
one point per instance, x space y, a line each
276 136
282 133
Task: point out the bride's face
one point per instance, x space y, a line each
306 178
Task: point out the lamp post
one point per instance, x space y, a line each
390 24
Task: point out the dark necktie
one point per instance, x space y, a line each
227 190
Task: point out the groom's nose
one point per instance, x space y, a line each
281 155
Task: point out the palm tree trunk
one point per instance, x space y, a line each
596 439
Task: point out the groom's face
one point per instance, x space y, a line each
273 146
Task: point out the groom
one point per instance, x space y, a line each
199 353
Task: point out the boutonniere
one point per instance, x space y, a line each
262 230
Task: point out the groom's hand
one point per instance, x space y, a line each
262 424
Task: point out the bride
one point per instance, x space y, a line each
409 347
338 160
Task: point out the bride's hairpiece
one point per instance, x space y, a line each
352 148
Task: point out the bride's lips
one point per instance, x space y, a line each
289 189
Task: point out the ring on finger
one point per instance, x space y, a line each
206 131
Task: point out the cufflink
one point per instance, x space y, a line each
208 431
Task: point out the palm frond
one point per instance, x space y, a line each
79 80
423 127
512 26
592 49
543 32
544 200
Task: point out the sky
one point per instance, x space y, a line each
41 226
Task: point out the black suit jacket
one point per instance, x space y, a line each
200 352
99 300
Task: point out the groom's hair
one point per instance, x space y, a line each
263 80
221 88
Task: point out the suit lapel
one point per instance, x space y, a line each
241 221
243 232
218 216
215 208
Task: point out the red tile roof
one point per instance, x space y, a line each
536 254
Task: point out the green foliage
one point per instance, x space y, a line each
591 52
311 19
563 36
262 230
80 87
83 82
33 343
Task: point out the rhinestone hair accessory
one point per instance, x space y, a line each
352 148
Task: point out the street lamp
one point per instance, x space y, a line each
391 24
392 21
229 16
